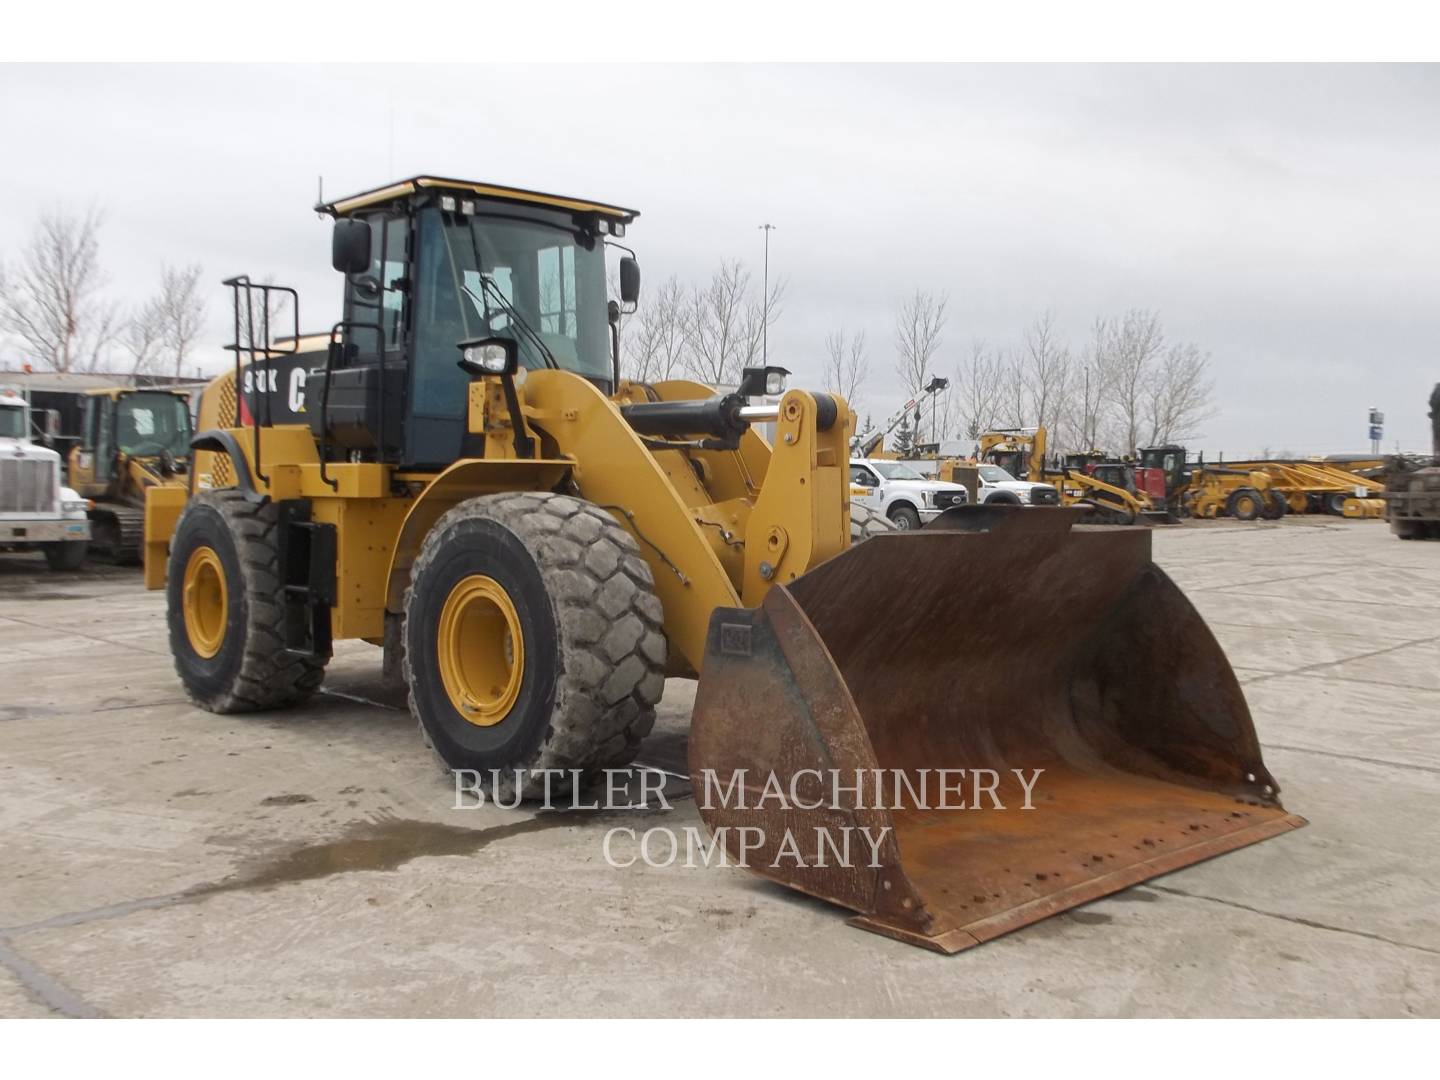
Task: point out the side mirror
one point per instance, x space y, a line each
629 280
350 246
489 356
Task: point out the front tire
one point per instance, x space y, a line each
66 555
226 612
1245 504
904 518
533 641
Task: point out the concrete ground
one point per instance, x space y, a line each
161 861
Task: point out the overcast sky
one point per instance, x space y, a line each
1283 218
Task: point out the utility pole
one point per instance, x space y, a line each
767 229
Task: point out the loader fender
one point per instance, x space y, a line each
224 442
462 480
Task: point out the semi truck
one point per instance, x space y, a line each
37 513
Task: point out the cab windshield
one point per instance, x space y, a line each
541 286
148 424
12 422
993 474
893 470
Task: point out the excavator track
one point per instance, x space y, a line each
117 533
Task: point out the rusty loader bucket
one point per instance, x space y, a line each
1102 735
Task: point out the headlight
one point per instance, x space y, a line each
70 506
929 497
775 383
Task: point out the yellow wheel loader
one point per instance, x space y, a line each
130 441
537 543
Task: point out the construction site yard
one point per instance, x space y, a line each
163 861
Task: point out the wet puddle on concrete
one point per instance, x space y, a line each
383 845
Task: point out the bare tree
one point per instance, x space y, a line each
918 327
1046 365
1089 410
847 366
975 402
142 338
182 311
1131 348
1014 390
724 325
655 335
50 299
1179 394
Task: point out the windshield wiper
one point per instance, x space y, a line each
515 317
508 308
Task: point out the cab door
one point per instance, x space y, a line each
87 471
865 487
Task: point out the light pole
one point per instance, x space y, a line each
767 229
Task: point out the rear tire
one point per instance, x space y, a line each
1245 504
1276 505
1334 503
230 652
1408 530
581 682
66 555
865 522
904 518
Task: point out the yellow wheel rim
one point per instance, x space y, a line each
481 650
206 602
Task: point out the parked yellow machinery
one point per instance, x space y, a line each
537 543
1106 489
1196 489
130 441
1246 495
1315 487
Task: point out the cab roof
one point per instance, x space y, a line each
402 188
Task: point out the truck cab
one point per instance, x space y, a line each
36 512
997 487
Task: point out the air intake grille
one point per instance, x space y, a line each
27 486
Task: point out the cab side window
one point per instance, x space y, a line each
862 477
381 297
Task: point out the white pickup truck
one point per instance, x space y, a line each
894 489
35 511
997 487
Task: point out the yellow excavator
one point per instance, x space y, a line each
465 479
130 441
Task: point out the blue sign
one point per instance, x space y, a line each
1375 432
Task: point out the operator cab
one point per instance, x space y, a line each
138 424
430 263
